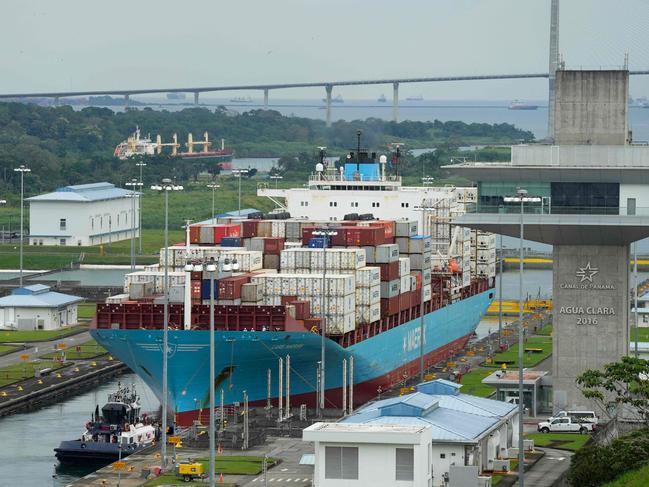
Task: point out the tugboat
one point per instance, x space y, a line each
116 433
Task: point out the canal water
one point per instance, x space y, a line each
27 456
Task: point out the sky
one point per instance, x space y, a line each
67 45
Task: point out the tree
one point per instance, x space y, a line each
619 384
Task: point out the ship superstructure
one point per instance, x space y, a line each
386 280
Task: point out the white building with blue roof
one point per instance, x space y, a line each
426 438
37 307
83 214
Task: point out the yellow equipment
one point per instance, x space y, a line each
189 471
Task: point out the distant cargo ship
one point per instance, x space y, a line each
415 98
519 105
135 145
176 96
381 98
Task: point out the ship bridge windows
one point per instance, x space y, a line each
354 204
304 203
376 204
405 205
333 203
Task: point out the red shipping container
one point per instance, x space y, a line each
415 298
195 234
349 223
230 230
404 301
340 238
365 236
248 228
230 287
196 289
388 225
389 306
273 245
302 309
389 271
311 323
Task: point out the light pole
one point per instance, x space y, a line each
141 165
4 202
214 187
166 186
500 292
276 177
239 173
427 180
635 295
133 183
22 169
522 198
211 269
325 234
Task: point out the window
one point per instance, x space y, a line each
354 204
405 464
405 205
62 223
62 241
442 455
333 203
341 462
92 223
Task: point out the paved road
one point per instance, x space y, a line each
39 348
548 469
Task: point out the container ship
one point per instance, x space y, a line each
384 274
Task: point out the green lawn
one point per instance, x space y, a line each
7 348
643 334
87 350
634 478
529 359
563 441
472 382
17 372
226 465
38 335
86 310
546 330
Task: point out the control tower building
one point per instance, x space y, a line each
592 184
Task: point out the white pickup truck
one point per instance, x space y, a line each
566 425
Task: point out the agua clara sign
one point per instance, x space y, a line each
586 280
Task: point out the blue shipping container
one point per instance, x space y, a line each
231 242
318 243
205 289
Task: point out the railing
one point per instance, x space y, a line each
547 209
328 178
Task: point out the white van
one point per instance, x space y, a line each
579 416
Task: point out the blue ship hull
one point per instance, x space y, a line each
243 358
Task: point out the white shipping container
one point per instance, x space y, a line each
404 266
340 324
413 282
387 253
405 284
420 261
390 289
340 304
486 256
419 245
368 314
278 228
117 298
403 243
406 228
368 295
368 276
428 292
370 254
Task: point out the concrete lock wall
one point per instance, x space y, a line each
590 315
591 107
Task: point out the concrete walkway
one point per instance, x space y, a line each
34 349
548 469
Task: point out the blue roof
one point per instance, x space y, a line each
37 296
451 416
84 193
229 214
